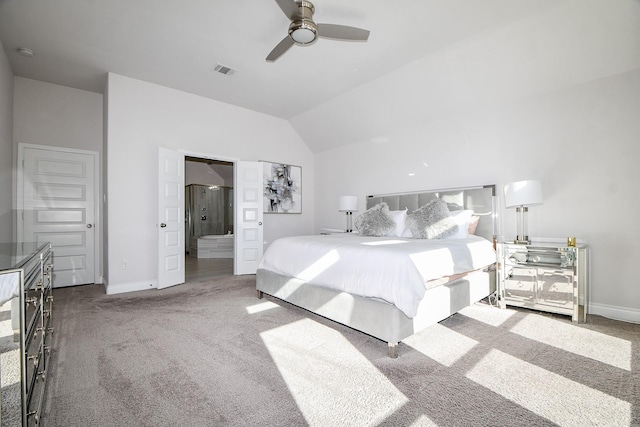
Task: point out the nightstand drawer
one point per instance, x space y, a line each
560 257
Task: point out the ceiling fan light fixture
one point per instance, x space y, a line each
303 32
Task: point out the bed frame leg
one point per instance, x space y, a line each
259 294
393 350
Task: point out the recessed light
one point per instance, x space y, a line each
23 51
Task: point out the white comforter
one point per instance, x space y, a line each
9 286
391 268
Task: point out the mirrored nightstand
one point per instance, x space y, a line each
544 276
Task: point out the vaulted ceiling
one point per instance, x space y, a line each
179 43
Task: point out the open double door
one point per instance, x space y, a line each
248 217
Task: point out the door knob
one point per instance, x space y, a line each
89 225
163 225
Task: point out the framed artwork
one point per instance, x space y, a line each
282 188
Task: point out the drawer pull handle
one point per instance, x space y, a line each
35 360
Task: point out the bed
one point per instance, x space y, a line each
394 285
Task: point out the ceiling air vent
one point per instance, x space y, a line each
223 69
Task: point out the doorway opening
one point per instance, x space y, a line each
209 218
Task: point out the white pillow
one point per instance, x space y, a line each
462 219
399 217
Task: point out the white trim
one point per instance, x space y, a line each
97 242
189 153
624 314
130 287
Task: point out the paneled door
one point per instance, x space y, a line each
248 217
57 190
171 228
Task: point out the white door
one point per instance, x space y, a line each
248 217
170 218
56 203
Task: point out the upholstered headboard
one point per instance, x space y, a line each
481 200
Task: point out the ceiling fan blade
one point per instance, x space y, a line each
290 9
342 32
280 49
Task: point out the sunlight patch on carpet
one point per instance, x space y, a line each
549 395
263 306
330 380
487 314
11 372
572 338
423 421
441 344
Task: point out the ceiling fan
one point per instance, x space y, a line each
304 32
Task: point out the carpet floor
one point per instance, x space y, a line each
210 353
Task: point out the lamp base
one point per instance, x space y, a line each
349 222
522 237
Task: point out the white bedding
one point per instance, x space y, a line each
9 286
390 268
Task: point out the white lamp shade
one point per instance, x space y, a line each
348 204
522 193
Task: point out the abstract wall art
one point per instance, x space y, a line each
282 188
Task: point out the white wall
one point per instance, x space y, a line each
143 117
60 116
6 149
555 98
49 114
201 173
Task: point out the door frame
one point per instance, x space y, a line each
97 208
233 160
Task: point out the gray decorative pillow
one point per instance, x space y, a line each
432 221
376 221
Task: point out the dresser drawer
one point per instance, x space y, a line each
33 358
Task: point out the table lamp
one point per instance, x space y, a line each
349 204
520 195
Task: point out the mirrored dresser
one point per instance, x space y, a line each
550 277
26 279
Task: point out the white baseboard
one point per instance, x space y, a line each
614 312
130 287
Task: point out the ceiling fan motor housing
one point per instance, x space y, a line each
303 31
